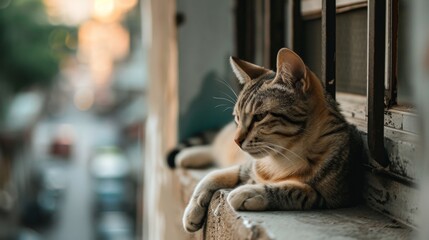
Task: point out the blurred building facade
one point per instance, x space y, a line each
72 93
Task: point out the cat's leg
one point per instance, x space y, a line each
195 212
195 157
287 195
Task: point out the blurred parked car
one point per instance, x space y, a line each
49 183
115 226
62 143
53 185
112 183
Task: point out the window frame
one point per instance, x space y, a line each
388 130
381 63
382 53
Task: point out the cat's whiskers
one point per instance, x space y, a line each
227 85
229 96
279 152
286 149
259 151
221 105
263 145
266 152
257 146
225 99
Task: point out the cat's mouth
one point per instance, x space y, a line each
256 153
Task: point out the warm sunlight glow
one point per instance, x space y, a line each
104 10
100 45
102 40
68 12
126 5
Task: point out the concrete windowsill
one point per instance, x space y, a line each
223 222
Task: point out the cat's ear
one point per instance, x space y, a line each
291 68
246 71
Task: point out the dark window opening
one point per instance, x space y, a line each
351 53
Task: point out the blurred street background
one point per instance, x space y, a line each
72 112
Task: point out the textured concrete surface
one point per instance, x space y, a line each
224 223
350 223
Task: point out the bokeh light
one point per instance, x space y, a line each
84 99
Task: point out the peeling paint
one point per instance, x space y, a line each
392 198
393 120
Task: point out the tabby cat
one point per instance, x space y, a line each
296 151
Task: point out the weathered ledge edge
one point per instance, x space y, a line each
223 222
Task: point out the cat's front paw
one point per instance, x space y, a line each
248 197
193 218
195 212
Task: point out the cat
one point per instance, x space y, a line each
294 149
206 149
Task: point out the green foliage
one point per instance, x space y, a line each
31 48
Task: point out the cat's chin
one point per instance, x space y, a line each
256 154
259 156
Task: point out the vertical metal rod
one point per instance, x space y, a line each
267 34
259 33
328 45
296 31
390 95
277 29
245 14
376 64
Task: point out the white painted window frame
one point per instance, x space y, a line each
397 118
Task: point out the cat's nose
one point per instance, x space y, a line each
239 141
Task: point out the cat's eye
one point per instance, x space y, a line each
259 117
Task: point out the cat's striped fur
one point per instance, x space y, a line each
300 151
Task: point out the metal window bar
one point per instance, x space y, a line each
245 29
390 92
263 33
295 33
376 68
277 29
267 34
376 62
328 45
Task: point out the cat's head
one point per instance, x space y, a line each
273 108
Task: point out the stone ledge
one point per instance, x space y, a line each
349 223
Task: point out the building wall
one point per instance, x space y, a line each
205 42
197 56
161 216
